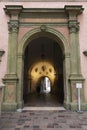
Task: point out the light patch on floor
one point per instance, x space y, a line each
43 108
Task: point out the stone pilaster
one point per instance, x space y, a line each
12 50
66 66
73 28
75 71
20 83
11 79
73 25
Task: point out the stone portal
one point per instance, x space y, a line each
42 29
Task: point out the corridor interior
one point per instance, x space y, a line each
43 73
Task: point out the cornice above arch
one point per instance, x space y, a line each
16 9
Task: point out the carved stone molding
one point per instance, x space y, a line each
16 11
13 26
73 27
13 9
72 13
43 27
73 10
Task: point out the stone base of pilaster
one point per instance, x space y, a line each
74 106
9 102
74 80
84 106
20 105
67 105
9 106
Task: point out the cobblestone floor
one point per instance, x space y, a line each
43 120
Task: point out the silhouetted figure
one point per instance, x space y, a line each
38 89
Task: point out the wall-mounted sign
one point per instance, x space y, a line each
78 85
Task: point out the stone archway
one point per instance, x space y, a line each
58 37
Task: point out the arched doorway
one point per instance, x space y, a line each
43 60
65 49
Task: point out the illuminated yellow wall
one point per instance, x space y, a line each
39 70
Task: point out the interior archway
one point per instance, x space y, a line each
43 58
44 85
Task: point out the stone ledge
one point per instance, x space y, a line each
43 108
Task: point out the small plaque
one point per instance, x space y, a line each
78 85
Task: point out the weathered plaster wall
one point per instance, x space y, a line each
82 33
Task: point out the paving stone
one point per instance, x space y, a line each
26 126
17 128
43 120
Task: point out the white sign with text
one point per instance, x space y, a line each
78 85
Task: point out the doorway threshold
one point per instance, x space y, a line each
43 108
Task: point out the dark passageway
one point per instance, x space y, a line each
43 73
42 100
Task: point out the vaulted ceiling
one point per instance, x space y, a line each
43 48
